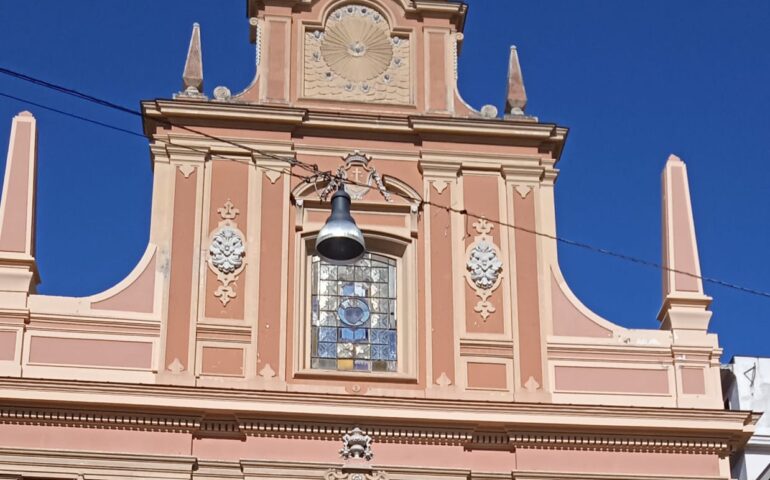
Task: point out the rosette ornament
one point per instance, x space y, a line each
483 267
226 252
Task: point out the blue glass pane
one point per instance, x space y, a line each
379 352
327 334
378 336
392 353
327 350
353 334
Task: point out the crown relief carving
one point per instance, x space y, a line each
357 177
483 267
226 252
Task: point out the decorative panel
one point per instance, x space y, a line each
356 57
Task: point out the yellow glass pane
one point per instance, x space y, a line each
345 364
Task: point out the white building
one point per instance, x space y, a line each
747 387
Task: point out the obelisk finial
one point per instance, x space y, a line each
684 302
516 100
192 77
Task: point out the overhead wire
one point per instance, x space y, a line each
318 175
165 121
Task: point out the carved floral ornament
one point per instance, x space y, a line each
483 267
226 252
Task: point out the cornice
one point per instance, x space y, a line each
165 109
136 420
251 408
619 442
456 10
236 427
358 122
498 128
549 136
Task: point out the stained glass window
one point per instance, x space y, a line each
353 315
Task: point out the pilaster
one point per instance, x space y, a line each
178 331
443 317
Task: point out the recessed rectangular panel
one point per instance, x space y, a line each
90 352
222 361
7 345
611 380
487 376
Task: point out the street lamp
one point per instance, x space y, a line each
340 240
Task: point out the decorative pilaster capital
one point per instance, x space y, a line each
439 169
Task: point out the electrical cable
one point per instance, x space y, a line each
166 122
328 176
72 115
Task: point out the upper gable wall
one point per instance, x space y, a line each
405 60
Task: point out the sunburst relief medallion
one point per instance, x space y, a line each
357 44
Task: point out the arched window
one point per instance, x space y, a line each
354 315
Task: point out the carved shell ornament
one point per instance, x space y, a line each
226 252
356 44
483 267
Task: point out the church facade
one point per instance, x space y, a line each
454 349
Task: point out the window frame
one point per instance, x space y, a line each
401 250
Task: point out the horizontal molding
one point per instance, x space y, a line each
181 407
523 475
57 464
234 427
316 119
381 433
112 419
624 443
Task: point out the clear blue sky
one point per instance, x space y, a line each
634 81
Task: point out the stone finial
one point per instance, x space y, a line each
684 302
192 77
516 99
17 207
